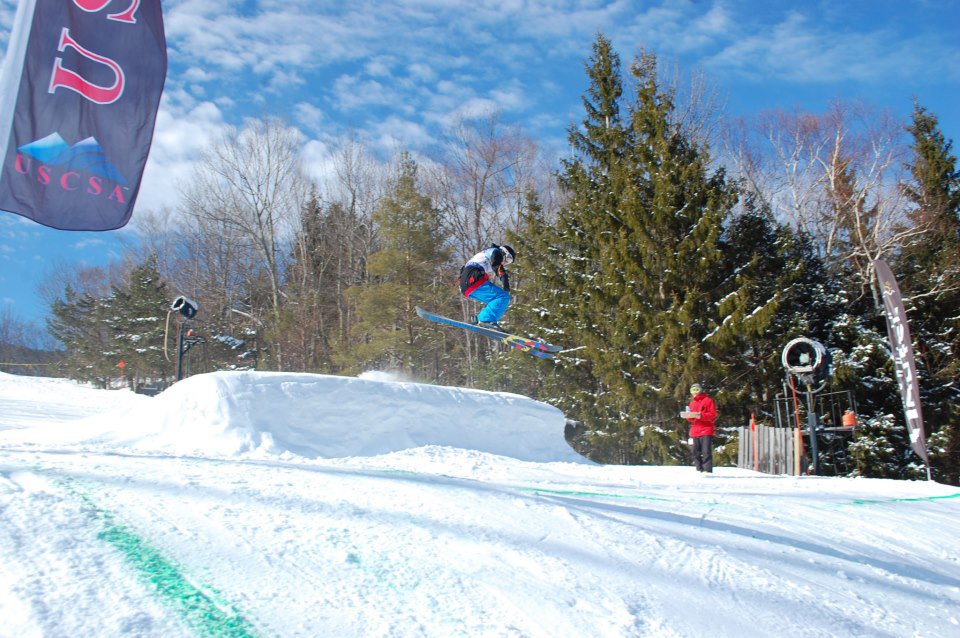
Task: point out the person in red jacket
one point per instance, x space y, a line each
702 414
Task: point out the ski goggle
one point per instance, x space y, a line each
507 257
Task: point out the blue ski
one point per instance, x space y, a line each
533 346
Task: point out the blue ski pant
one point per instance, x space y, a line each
496 299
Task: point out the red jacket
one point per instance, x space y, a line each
704 426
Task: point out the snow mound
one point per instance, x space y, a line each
319 416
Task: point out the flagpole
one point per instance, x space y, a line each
12 70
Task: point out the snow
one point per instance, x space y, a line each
266 414
273 504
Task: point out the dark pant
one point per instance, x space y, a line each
703 453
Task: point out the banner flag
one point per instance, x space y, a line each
904 364
79 94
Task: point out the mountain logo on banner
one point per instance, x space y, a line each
86 155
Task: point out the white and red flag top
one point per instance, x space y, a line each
79 93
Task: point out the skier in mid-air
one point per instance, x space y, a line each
476 282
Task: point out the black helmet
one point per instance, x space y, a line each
509 254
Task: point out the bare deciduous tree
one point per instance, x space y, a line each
837 177
251 186
481 184
25 348
697 103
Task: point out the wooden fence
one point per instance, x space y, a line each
769 450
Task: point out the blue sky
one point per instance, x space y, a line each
395 72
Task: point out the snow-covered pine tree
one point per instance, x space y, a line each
636 246
665 267
857 212
777 289
573 296
79 322
137 322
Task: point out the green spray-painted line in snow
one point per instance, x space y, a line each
540 490
200 609
208 616
916 499
637 497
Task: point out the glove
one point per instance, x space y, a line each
690 441
506 281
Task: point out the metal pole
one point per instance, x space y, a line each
812 426
180 352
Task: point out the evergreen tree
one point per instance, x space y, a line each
138 323
79 322
541 305
776 290
634 255
861 362
781 290
409 270
878 450
567 253
666 264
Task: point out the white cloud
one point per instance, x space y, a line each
422 72
351 92
184 129
87 243
7 10
281 81
472 109
308 116
394 134
380 66
319 161
510 98
806 49
716 20
287 38
196 74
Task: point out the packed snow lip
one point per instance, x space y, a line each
312 416
280 504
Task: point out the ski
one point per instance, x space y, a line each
535 347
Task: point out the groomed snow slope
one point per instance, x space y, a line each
303 506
